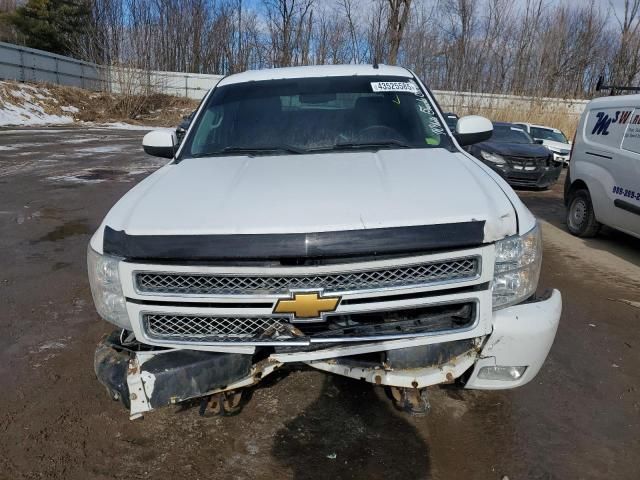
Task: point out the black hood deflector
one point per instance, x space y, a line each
345 243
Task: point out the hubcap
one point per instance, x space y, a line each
578 213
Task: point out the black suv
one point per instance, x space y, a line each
518 158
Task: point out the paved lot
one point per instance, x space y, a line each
580 418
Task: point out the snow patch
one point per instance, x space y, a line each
20 108
103 149
126 126
74 178
70 109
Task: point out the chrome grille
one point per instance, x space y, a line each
217 284
200 327
528 163
176 327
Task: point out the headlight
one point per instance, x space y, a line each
517 268
106 289
492 157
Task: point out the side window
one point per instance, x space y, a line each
208 132
433 128
606 127
631 140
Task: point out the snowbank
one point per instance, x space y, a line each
26 105
37 104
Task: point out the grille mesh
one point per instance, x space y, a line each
197 328
213 284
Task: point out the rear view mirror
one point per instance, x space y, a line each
473 129
160 143
538 141
318 98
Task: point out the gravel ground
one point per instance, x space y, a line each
580 418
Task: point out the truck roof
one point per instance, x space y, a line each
314 72
534 125
616 101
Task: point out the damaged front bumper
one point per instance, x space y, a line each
145 379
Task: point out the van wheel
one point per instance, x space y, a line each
581 220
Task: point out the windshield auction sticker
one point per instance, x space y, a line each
393 87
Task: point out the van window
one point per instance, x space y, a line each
606 126
631 141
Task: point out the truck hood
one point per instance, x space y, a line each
314 193
557 145
514 149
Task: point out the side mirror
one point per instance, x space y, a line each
538 141
160 143
473 129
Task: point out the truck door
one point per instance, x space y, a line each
627 178
600 163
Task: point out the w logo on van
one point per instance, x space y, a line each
602 124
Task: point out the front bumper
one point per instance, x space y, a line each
522 336
539 178
562 158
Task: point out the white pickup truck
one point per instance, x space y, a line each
324 216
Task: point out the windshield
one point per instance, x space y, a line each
314 115
548 134
507 134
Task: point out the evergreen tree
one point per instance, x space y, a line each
52 25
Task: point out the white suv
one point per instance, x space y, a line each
552 138
603 182
324 216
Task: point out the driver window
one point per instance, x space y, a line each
208 129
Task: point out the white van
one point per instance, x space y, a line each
603 182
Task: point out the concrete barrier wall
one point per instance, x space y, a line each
30 65
25 64
191 85
465 101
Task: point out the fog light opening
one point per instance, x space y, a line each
507 374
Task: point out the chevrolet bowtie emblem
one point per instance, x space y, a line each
306 305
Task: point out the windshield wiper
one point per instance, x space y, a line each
253 150
356 145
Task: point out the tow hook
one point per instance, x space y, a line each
411 400
223 404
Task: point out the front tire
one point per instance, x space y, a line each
581 219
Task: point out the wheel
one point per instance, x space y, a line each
581 219
413 401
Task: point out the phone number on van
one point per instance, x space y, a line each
625 192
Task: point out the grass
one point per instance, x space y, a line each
540 114
153 109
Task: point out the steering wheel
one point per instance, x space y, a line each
377 132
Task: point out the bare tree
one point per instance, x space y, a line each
347 9
288 22
626 62
531 47
398 17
